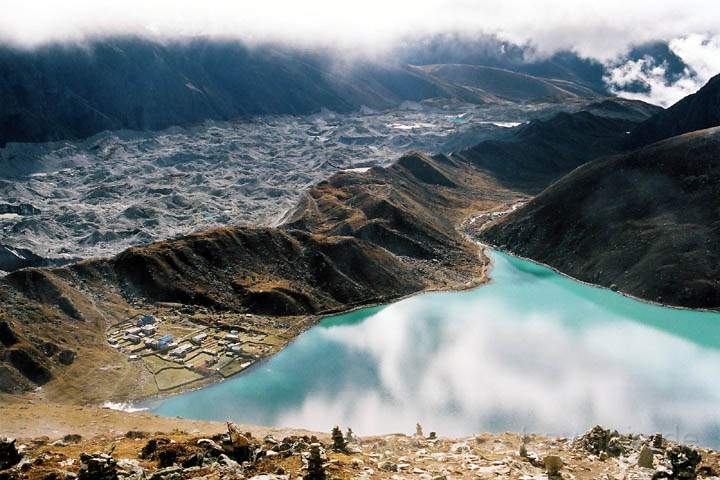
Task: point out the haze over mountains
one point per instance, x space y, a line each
65 91
60 91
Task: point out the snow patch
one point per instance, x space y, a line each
122 407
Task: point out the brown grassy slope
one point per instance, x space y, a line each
647 222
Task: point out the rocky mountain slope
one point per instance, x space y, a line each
698 111
115 190
645 222
66 91
361 237
506 84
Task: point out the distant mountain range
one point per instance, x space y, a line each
68 91
73 91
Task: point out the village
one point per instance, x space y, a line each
180 349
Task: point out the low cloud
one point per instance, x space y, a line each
701 54
600 30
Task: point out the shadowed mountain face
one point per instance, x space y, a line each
695 112
489 51
647 222
536 154
64 91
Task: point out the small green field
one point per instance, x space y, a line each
175 377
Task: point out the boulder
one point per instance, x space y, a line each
72 438
237 445
683 461
9 455
645 459
97 466
148 451
210 446
388 466
170 454
170 473
66 357
553 465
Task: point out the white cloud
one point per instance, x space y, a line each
597 29
495 361
700 52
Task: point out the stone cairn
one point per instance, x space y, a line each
419 430
683 462
339 444
315 468
9 455
523 447
236 444
97 466
602 442
657 440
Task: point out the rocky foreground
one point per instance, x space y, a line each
598 454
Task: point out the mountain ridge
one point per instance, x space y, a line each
644 222
65 91
697 111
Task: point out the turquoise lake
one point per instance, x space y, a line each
532 351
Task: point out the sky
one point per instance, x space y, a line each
601 30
